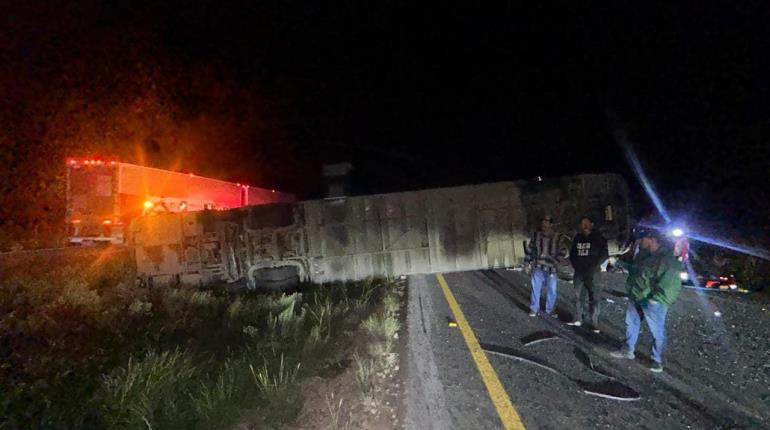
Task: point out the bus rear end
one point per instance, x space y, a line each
93 213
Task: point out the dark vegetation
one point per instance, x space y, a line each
82 347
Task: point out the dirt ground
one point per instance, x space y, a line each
337 401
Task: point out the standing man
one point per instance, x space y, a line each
588 252
541 259
653 285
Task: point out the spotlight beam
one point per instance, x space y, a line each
639 172
692 235
628 150
754 252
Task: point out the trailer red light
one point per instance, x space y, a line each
191 175
112 163
75 221
148 204
107 222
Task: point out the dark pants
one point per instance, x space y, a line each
586 291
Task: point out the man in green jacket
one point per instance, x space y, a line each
653 285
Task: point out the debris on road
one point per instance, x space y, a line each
518 355
537 337
610 389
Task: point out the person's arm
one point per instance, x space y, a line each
668 284
529 250
603 253
573 251
560 248
529 253
644 282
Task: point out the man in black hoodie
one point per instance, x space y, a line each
587 253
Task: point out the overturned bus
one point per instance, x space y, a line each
426 231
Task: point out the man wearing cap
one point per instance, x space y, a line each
587 253
542 255
653 285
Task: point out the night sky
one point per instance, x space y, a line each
417 96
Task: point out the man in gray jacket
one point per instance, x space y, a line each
541 259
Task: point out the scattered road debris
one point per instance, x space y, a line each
537 337
611 389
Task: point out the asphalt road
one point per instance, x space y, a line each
717 368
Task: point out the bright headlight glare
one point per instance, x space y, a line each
684 276
677 232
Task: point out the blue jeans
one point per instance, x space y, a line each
540 276
655 315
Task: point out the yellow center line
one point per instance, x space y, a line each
500 399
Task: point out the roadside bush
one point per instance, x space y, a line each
149 392
221 398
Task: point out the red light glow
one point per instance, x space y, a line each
107 222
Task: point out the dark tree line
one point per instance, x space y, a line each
91 80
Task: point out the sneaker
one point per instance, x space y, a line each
656 367
622 353
533 314
575 323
